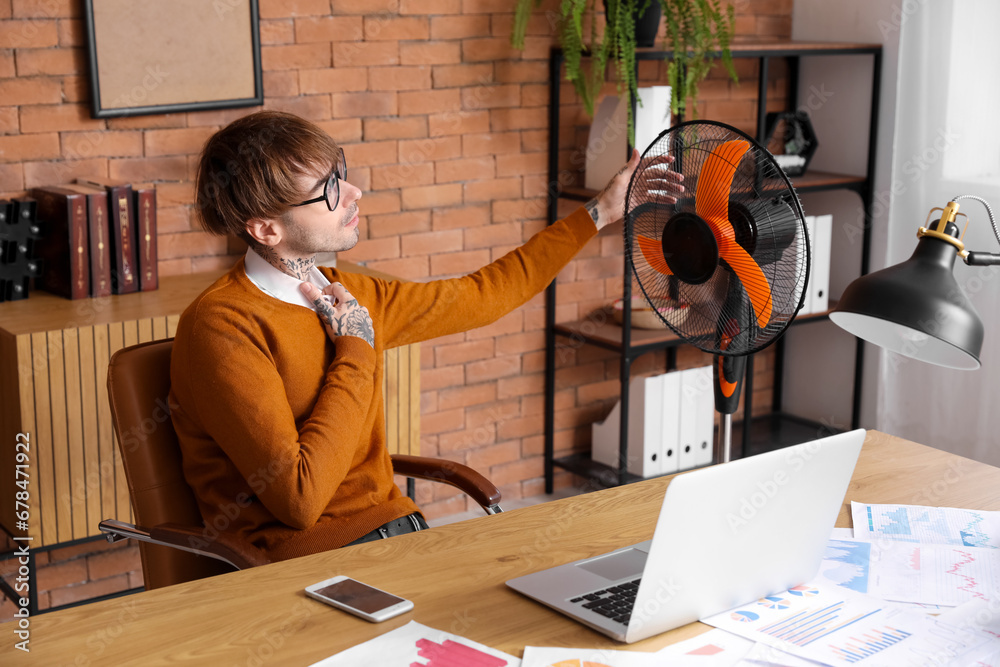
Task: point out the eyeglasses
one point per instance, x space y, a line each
331 191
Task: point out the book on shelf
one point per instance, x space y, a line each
122 227
98 237
145 213
63 245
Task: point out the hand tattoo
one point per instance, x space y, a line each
357 323
592 209
354 322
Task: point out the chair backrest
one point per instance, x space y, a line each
138 389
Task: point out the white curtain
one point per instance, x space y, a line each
947 143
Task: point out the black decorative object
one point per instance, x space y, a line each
19 229
791 139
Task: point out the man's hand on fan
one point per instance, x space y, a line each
657 177
659 182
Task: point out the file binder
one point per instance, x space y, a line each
697 419
644 426
670 429
823 239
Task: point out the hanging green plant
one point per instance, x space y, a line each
698 30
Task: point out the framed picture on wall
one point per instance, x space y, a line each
155 57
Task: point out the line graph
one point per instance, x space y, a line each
966 582
927 525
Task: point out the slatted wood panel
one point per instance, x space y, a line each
53 385
401 393
77 474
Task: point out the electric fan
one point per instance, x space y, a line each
725 265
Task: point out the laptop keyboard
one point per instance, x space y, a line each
614 602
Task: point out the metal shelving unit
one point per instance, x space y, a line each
777 427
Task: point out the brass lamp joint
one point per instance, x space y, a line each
948 215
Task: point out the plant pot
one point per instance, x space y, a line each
647 24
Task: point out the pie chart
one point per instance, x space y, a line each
803 591
744 616
577 663
773 602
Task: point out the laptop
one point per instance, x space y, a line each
726 535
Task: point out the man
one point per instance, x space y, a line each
277 367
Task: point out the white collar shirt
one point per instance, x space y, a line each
278 284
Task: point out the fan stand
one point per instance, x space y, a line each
724 441
728 374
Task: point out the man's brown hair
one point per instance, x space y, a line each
248 169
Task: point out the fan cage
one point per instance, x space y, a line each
717 314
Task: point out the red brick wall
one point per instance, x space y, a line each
445 128
65 575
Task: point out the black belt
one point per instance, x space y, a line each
410 523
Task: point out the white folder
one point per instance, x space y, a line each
823 239
807 303
645 419
649 450
696 424
705 421
671 423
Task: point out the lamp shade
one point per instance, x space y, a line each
916 308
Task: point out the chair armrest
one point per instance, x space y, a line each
462 477
238 553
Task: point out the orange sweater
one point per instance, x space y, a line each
283 431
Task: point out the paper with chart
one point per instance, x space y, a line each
837 627
762 655
926 525
931 575
538 656
715 648
847 563
979 622
416 645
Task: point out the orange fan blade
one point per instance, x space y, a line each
753 279
716 179
712 205
652 252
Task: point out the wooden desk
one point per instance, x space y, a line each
454 574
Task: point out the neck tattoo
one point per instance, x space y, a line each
296 267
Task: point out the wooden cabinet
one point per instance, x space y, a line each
777 427
53 371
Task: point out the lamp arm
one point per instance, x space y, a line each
989 211
982 258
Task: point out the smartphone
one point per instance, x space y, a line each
359 599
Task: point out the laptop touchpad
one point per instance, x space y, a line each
620 565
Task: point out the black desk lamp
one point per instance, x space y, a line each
916 308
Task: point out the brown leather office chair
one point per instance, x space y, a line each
168 521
